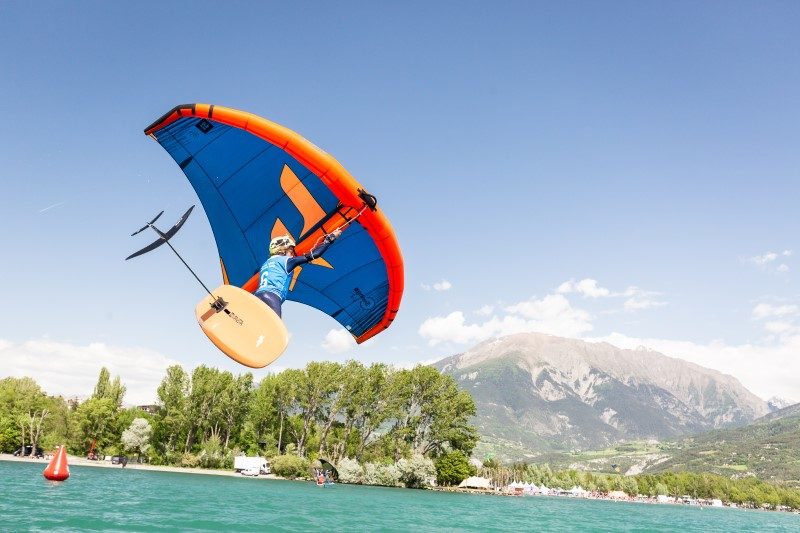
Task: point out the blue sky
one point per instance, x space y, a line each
625 171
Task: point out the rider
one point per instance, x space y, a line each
274 278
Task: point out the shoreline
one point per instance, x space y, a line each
73 460
695 503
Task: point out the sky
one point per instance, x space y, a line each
624 172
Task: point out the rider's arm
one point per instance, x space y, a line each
307 257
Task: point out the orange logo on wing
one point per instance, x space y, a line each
309 209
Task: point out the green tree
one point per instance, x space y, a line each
630 486
106 389
316 387
103 385
234 403
452 468
287 391
96 420
171 418
435 414
22 403
369 407
335 406
263 417
202 403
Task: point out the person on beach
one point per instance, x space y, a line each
274 278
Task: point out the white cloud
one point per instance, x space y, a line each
486 310
566 287
61 368
439 286
641 303
773 311
765 259
443 285
408 365
779 327
338 341
551 314
587 287
639 300
451 328
766 369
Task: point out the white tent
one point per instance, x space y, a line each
578 491
475 482
543 489
530 488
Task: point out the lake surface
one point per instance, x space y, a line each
138 500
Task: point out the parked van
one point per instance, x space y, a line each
243 462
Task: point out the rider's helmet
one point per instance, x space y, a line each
280 245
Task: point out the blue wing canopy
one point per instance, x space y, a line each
253 189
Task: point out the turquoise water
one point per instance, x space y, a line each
138 500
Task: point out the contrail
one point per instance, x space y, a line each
51 207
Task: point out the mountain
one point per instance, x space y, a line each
537 393
792 411
776 403
768 448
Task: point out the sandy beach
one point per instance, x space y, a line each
74 460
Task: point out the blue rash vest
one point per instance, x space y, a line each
274 276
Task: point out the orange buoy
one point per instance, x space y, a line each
58 469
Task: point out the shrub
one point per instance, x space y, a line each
173 457
387 475
189 460
154 458
227 460
417 472
370 475
211 453
290 466
350 471
111 450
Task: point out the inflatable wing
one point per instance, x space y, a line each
256 180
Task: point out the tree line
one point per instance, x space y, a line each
380 425
747 491
204 417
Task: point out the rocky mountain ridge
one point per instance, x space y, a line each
539 392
